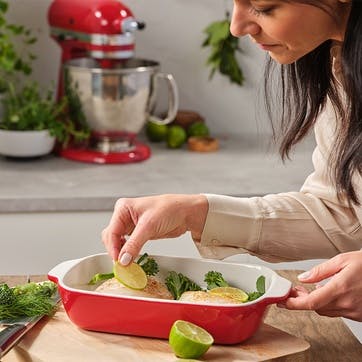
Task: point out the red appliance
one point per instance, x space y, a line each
102 30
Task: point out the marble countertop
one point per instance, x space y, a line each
242 167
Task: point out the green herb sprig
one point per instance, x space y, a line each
223 51
148 264
215 279
27 300
177 283
260 289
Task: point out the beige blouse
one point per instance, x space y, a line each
309 224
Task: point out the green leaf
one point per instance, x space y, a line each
220 32
206 42
260 284
100 277
16 29
230 67
3 6
31 40
223 47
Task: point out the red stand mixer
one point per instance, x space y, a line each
117 91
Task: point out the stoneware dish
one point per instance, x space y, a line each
151 317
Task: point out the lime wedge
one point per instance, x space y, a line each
189 340
234 293
132 276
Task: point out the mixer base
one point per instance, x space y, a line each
139 152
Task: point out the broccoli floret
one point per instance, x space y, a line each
7 296
177 283
148 264
215 279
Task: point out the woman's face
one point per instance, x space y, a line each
288 30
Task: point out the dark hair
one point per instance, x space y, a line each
306 85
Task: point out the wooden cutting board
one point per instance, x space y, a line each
58 340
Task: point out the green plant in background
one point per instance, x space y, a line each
224 47
76 116
30 109
13 60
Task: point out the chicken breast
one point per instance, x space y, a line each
153 289
206 298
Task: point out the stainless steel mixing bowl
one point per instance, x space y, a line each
118 100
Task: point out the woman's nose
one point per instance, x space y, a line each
243 22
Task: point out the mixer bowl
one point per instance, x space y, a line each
118 99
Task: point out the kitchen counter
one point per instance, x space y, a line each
329 338
242 167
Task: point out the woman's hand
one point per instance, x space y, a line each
150 218
341 296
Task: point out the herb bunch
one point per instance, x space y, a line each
30 109
27 300
223 51
13 59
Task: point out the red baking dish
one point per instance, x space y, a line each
151 317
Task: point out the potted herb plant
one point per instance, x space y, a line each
33 122
15 57
223 48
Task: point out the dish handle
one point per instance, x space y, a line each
279 291
61 269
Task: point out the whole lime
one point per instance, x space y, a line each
176 136
156 132
188 340
198 129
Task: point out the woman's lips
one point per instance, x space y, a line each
267 46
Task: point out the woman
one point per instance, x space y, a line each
319 46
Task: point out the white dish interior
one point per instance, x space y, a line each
74 275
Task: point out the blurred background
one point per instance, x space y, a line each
173 36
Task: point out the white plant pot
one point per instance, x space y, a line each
26 143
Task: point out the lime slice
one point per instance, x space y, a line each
189 340
230 292
132 276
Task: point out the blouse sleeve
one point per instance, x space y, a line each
309 224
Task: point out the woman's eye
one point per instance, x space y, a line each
261 11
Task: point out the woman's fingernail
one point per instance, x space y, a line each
304 275
126 258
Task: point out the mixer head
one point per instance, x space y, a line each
99 29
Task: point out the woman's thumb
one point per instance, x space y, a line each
321 271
